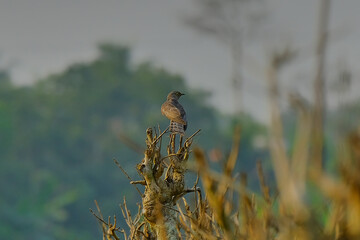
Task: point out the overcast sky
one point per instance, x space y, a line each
39 37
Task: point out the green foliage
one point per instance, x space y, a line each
59 136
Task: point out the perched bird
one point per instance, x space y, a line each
173 110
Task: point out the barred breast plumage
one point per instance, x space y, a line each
173 110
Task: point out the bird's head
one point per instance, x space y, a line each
174 95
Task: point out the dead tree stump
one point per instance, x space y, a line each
163 188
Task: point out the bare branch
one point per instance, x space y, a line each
118 164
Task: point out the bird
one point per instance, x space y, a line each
173 110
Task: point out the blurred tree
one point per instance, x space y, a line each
229 21
58 138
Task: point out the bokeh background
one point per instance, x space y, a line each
80 82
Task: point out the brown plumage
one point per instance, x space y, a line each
173 110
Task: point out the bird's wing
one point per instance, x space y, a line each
182 112
183 116
173 112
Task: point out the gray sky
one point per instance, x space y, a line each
39 37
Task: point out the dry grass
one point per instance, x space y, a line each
216 215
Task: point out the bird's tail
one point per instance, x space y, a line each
176 128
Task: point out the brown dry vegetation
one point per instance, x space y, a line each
166 214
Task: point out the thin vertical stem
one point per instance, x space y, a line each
320 85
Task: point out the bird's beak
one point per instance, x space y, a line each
182 94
